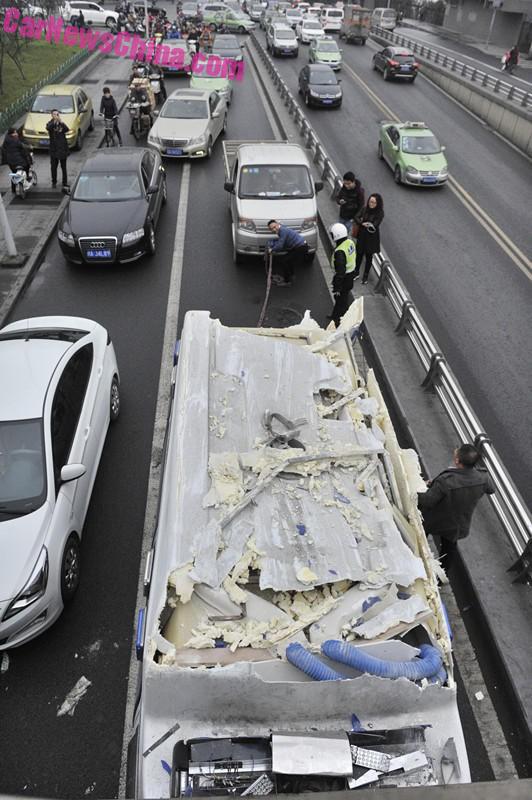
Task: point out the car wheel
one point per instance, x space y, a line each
70 568
386 74
114 400
379 151
309 258
152 242
397 174
237 257
412 79
374 65
109 22
241 29
363 41
296 53
307 99
209 149
165 193
79 142
91 123
224 127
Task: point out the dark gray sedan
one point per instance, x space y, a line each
226 45
319 86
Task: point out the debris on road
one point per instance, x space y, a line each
73 697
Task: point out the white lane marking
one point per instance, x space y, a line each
161 415
68 706
485 715
497 234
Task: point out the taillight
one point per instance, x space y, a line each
393 63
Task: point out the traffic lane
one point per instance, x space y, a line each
235 294
42 754
475 300
496 175
468 54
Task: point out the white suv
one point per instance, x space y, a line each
281 40
309 29
92 12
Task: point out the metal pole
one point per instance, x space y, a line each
6 230
494 12
146 19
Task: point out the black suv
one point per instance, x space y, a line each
396 62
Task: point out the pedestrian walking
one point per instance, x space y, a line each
290 250
449 502
109 110
343 262
367 224
57 131
350 198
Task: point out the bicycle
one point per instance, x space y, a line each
109 124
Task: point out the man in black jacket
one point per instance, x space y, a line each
15 153
451 498
350 199
110 111
57 131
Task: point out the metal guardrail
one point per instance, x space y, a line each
485 80
16 109
508 504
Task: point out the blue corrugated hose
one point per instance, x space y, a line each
310 665
427 665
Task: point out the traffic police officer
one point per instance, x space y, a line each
343 262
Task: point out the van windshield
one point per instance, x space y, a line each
388 12
266 181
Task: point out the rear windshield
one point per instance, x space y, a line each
46 103
403 58
312 25
275 181
388 12
420 145
334 13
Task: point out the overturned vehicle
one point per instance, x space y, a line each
294 638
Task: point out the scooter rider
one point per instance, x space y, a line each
15 153
157 74
343 262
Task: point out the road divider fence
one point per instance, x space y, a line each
510 508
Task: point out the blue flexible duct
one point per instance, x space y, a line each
428 664
310 665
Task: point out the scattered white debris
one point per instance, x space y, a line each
94 647
305 575
90 788
479 695
73 697
5 663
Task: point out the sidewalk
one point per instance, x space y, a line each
33 220
460 38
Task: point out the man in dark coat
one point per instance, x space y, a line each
15 153
448 504
350 198
57 131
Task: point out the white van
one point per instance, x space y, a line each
331 18
384 18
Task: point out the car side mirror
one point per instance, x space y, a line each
155 112
318 185
153 189
443 148
339 80
71 472
229 186
215 114
66 189
395 147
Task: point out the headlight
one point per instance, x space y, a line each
65 237
308 223
314 94
198 139
444 171
247 224
34 588
28 132
153 139
412 170
133 236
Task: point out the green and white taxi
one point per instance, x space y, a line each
413 153
325 51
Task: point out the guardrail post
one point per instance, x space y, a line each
464 68
497 85
485 79
380 287
511 93
402 325
453 65
474 74
524 101
430 378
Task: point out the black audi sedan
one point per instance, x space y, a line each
396 62
114 207
319 86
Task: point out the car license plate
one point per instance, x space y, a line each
288 52
174 151
98 254
326 102
44 142
430 179
405 69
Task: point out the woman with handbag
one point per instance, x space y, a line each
366 231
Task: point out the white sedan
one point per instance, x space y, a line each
60 389
309 30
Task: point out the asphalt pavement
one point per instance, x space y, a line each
479 317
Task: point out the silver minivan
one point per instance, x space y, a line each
281 40
385 18
269 180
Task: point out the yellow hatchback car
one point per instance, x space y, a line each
76 110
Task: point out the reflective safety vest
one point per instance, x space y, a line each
348 247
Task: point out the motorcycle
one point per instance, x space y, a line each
155 81
140 104
23 179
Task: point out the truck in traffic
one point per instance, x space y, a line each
269 180
355 24
294 637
